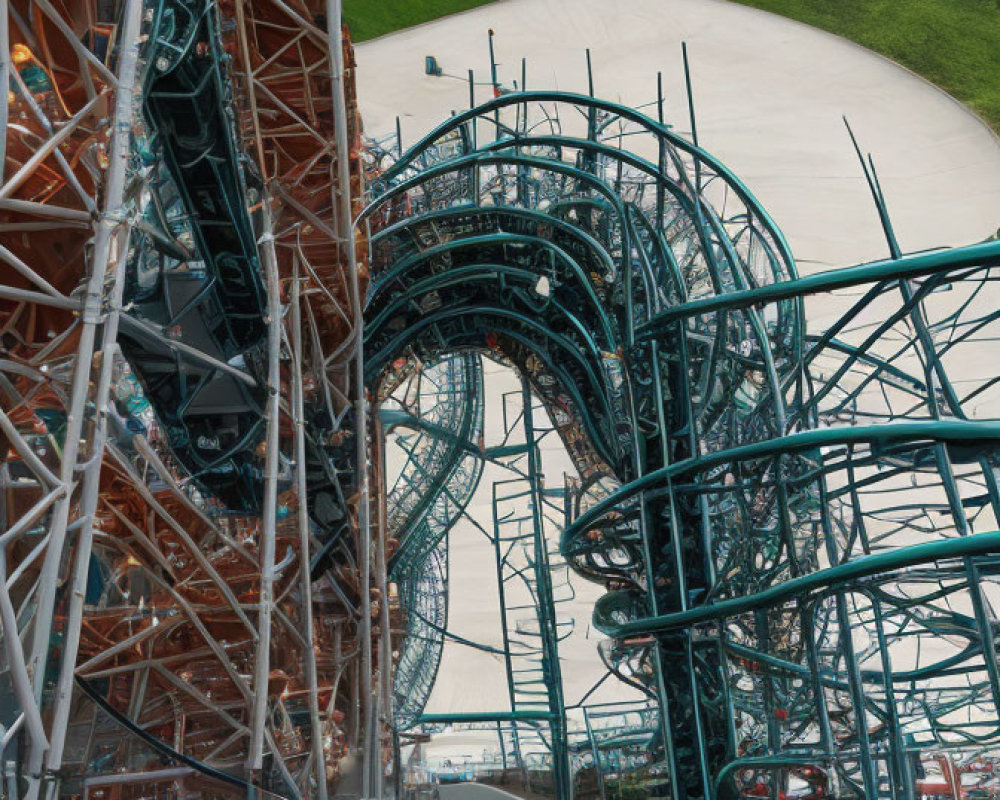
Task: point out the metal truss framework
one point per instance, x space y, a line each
182 601
796 526
443 403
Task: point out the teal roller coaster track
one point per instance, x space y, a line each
786 487
795 526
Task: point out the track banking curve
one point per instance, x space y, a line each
773 511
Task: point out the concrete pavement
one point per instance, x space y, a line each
769 92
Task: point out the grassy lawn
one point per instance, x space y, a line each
370 18
953 43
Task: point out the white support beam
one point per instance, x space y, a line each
305 579
262 667
345 231
4 81
107 228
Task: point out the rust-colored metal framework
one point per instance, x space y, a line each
180 312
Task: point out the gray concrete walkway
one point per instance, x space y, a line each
770 94
475 791
349 785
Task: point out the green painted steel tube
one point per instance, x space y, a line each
624 112
964 547
905 268
887 434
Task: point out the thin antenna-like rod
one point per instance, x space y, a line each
890 233
868 167
474 122
493 65
690 94
694 125
659 96
496 86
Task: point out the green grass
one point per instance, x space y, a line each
370 18
953 43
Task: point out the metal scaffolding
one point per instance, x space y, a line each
178 334
217 309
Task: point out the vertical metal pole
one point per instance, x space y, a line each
493 65
262 666
690 99
648 528
305 580
4 82
503 750
661 157
106 228
504 628
91 484
598 769
355 690
659 103
496 88
382 582
474 122
546 605
345 231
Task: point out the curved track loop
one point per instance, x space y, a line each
442 414
795 523
788 485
